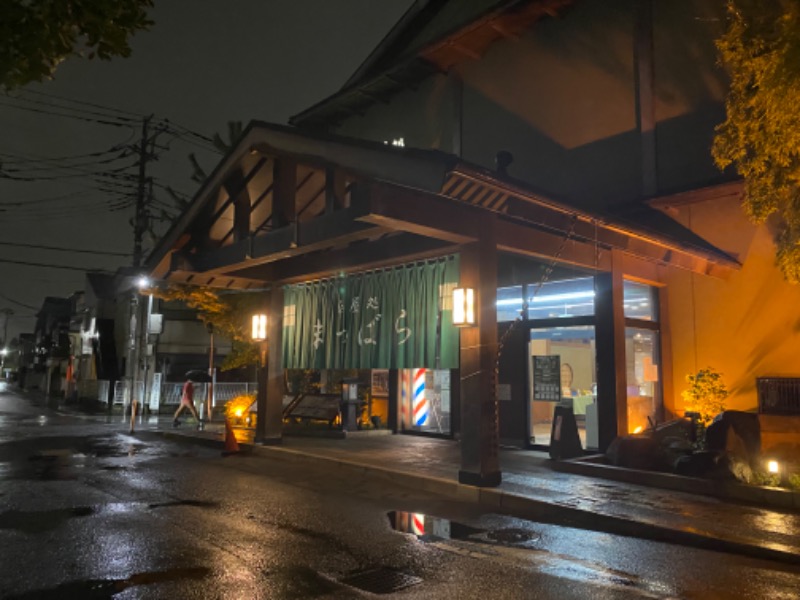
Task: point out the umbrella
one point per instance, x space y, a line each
198 375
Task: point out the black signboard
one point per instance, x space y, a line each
547 378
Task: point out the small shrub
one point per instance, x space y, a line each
794 481
705 397
706 394
766 479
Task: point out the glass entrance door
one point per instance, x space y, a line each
568 378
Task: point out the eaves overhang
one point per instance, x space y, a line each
365 203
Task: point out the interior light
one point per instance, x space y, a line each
509 302
564 296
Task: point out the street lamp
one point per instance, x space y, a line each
142 283
259 335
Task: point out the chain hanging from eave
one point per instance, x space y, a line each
501 343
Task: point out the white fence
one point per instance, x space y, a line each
122 391
171 392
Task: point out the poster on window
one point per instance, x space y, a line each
547 378
380 383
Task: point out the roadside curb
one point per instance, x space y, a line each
724 490
517 505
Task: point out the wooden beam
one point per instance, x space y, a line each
237 192
365 255
448 220
216 281
284 191
502 30
320 233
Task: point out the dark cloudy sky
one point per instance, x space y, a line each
204 63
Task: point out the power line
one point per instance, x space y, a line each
52 113
53 266
18 303
85 103
76 107
61 248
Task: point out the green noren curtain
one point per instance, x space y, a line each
390 318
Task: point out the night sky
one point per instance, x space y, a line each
204 63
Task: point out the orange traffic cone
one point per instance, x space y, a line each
231 445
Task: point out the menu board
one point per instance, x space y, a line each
547 378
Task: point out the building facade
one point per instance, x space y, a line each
552 156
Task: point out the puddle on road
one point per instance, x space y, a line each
196 503
39 521
100 589
428 528
57 458
43 520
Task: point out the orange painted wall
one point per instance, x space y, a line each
745 326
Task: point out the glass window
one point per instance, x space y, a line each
566 298
509 303
571 381
642 363
639 301
425 400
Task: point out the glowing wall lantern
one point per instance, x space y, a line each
464 307
259 333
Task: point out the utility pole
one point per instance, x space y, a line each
7 312
141 216
136 321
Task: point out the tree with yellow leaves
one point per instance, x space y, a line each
760 49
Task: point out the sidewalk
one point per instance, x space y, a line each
532 488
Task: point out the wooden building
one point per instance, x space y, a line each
554 156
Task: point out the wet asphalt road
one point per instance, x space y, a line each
88 511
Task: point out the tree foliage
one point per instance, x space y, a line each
37 35
706 394
228 314
760 49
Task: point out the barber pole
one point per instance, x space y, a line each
419 402
405 384
418 524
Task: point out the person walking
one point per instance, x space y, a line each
187 401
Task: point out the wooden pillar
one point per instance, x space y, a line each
612 394
394 400
334 190
269 421
665 354
479 412
275 381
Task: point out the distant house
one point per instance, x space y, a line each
552 156
52 347
83 346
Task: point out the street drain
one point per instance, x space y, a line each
380 581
